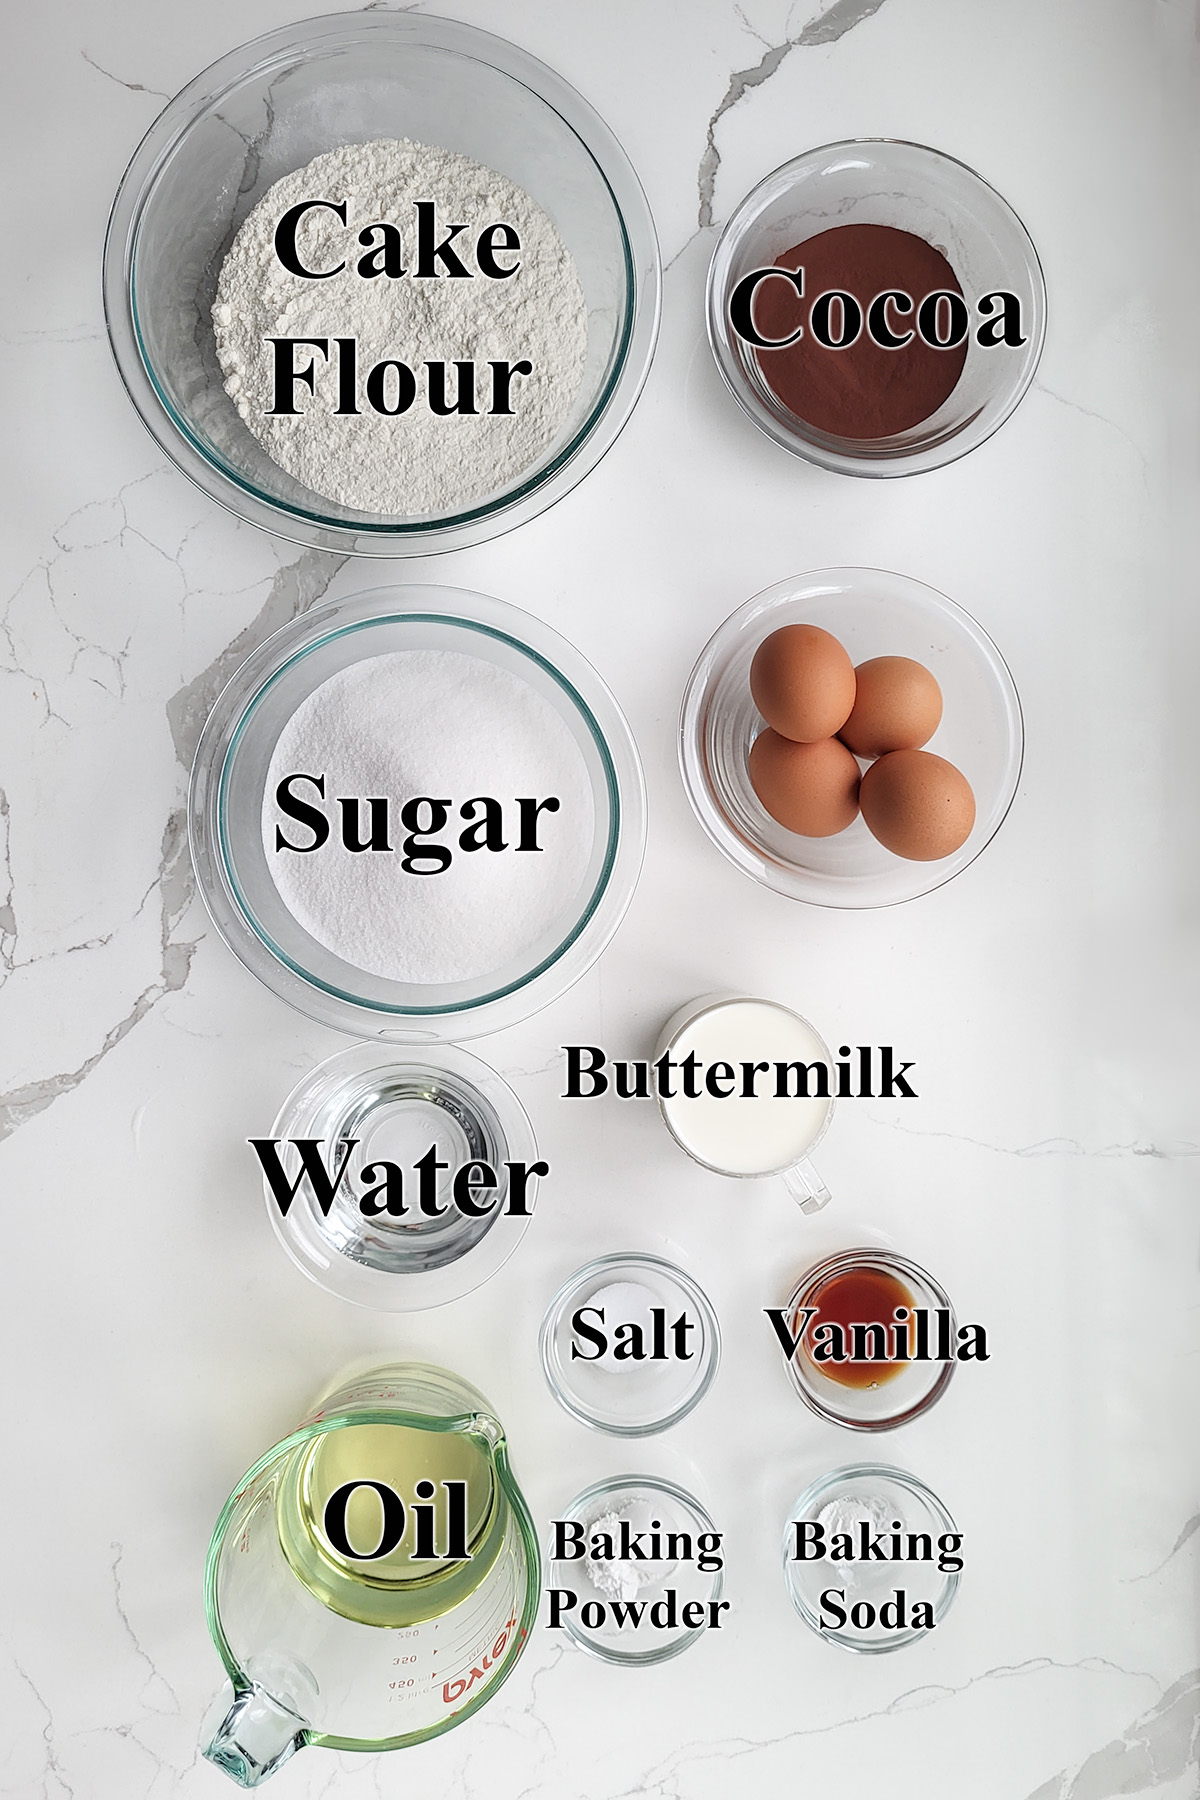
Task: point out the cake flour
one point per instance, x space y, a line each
417 462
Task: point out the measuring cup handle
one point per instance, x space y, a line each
806 1187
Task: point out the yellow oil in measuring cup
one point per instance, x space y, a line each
338 1518
373 1578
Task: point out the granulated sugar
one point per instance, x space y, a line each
451 727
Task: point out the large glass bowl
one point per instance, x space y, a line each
267 109
230 771
885 181
872 613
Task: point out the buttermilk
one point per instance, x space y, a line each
873 1074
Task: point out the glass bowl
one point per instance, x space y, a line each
885 181
267 109
912 1390
233 760
872 613
393 1107
648 1503
621 1395
880 1497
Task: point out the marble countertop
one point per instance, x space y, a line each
158 1340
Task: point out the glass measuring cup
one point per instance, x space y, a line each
373 1578
740 1124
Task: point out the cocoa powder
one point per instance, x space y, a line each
864 390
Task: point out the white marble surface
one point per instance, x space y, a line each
157 1340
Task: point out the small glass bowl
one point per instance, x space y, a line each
630 1399
394 1108
267 109
643 1498
225 808
880 1495
903 1396
872 613
885 181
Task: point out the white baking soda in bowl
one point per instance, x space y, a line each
751 1091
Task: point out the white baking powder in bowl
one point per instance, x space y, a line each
447 726
416 462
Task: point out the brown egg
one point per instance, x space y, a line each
811 789
918 805
802 683
897 706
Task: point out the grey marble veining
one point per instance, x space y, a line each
1161 1746
157 1340
828 26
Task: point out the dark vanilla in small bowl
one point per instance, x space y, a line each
876 307
876 1339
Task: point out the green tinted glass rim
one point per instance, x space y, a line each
463 1423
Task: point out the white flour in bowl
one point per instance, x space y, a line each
415 462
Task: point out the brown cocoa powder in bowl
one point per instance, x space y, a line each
863 390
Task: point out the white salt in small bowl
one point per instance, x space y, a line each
233 766
620 1394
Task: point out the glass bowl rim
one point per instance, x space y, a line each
600 1490
693 711
444 606
315 644
802 1508
920 459
855 1257
519 1136
533 493
605 1265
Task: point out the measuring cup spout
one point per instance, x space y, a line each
255 1735
488 1428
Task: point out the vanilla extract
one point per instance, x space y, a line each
864 1352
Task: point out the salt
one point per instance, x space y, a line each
622 1303
437 723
